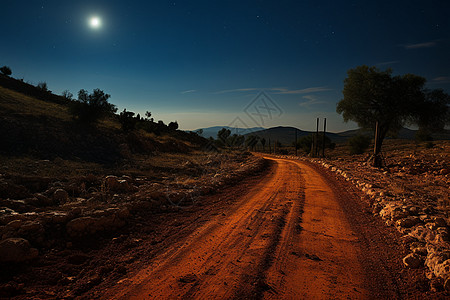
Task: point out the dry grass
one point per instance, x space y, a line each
12 102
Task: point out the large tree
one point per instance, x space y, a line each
373 97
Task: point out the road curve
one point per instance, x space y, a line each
288 237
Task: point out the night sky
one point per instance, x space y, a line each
203 63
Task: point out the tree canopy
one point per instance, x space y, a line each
90 107
6 70
372 95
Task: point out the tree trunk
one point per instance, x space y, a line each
380 134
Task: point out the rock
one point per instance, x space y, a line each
423 234
113 184
412 261
393 212
60 196
440 222
408 222
443 269
447 284
16 224
422 251
444 171
16 250
80 226
13 191
10 215
43 200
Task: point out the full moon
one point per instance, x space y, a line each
95 22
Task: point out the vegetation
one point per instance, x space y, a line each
43 86
359 143
127 120
6 70
375 97
90 107
67 95
305 143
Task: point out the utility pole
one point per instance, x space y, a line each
323 138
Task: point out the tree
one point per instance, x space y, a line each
90 107
43 86
173 126
6 70
263 143
127 120
251 141
223 135
67 95
378 100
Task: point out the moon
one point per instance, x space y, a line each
95 22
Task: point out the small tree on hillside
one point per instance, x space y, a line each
90 107
223 135
173 126
67 95
6 70
43 86
251 141
376 99
263 143
127 120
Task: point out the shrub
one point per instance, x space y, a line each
6 70
127 120
359 143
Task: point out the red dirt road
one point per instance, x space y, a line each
295 234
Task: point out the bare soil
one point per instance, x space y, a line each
294 230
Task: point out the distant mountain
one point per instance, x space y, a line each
286 135
212 131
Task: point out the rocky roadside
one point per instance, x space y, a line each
412 193
39 216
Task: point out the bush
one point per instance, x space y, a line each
128 120
359 143
6 70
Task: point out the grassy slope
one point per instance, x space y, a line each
39 137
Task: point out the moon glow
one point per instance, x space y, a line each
95 22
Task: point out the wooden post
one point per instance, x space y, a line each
376 153
295 145
375 144
317 139
323 138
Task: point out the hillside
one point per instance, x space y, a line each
43 128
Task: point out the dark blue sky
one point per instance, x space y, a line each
204 62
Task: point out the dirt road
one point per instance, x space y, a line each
294 235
